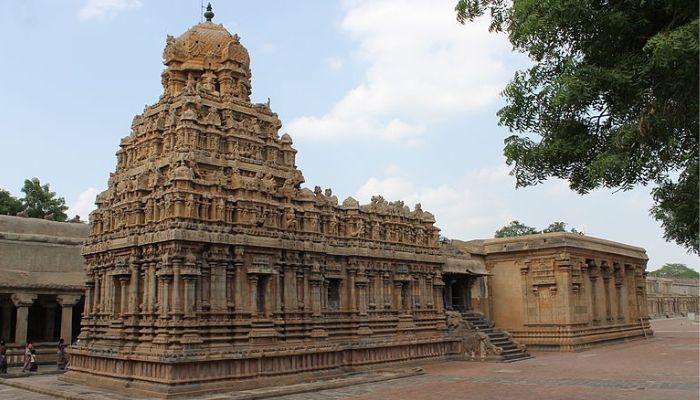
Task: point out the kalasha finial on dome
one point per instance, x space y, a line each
209 14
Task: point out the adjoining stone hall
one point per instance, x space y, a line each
208 264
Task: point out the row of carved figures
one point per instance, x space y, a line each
172 116
152 211
209 143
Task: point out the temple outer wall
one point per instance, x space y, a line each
672 297
566 292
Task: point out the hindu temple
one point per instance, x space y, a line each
210 266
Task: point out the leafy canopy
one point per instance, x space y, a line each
9 205
39 201
611 98
674 270
517 228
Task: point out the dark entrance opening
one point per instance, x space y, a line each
457 294
262 285
333 294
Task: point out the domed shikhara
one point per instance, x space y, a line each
207 54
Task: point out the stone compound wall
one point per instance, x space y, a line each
563 291
668 297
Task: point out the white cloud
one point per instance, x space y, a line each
469 208
84 204
422 67
107 8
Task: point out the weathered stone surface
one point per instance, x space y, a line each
209 265
564 291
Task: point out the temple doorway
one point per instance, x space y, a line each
457 295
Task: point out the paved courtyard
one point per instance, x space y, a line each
665 367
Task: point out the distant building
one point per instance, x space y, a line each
41 283
672 297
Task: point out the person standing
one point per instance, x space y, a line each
3 357
27 356
62 358
33 366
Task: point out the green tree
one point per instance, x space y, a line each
675 270
515 228
611 98
40 201
555 227
9 205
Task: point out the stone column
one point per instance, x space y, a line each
429 292
67 301
386 291
307 295
619 280
253 299
606 295
408 301
300 289
352 297
165 296
278 291
152 293
631 294
123 298
97 297
107 296
134 289
89 294
241 297
268 282
189 295
22 301
177 305
232 300
438 290
316 297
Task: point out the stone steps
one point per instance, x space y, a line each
511 351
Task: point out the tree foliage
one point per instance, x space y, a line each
39 201
517 228
611 98
9 205
675 270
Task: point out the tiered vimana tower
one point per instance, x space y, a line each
209 265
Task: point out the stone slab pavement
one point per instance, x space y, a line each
663 367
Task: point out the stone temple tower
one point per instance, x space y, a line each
209 266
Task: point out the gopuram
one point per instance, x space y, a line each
209 266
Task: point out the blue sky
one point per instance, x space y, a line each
388 97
